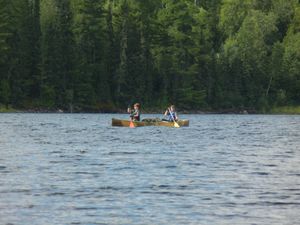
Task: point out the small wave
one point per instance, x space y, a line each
280 203
292 189
270 165
26 191
169 193
124 168
269 203
171 167
261 173
58 162
85 208
34 129
48 124
56 194
97 164
122 153
55 152
294 174
2 167
86 173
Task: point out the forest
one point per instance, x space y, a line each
102 55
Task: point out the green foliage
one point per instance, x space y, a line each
291 59
284 11
101 55
47 96
247 56
286 110
5 31
5 92
232 15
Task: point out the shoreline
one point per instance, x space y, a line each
286 110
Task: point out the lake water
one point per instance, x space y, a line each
78 169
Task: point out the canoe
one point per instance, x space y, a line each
125 123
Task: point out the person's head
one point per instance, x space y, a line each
172 107
136 106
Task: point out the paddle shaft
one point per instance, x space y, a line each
175 123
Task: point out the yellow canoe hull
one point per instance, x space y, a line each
125 123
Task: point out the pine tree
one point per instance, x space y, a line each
92 87
6 33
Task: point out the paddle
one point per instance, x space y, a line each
175 123
131 124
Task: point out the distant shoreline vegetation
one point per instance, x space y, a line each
285 110
91 56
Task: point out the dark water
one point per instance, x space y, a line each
77 169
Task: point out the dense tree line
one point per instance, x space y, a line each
106 54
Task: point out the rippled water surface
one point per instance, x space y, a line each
78 169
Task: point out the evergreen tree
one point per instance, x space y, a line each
58 70
6 33
92 87
122 77
102 55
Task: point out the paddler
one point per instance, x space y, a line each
171 114
135 114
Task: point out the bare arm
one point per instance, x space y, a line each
176 117
166 112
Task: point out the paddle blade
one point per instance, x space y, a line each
176 124
131 124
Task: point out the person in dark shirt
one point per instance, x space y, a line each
135 114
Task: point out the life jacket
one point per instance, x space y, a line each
135 114
172 116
